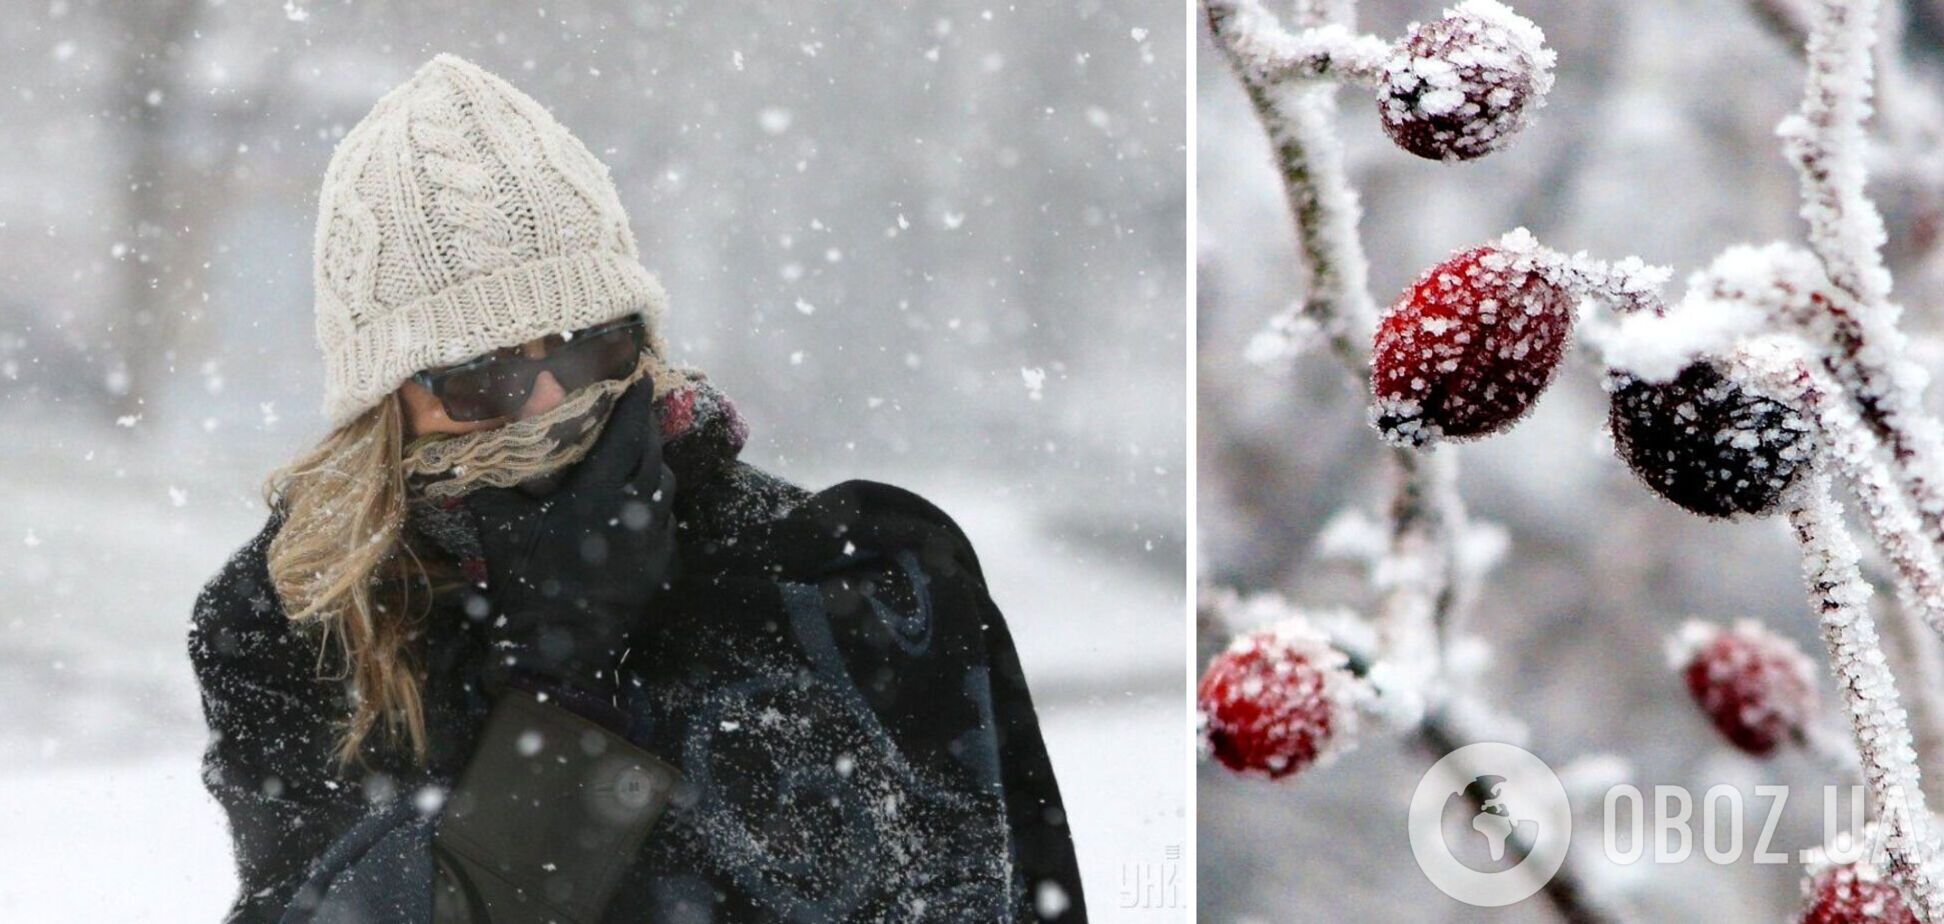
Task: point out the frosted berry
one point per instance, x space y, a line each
1756 687
1460 87
1707 444
1853 893
1276 700
1468 347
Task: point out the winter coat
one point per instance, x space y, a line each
829 680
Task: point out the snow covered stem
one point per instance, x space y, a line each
1793 380
1837 589
1416 577
1825 138
1300 120
1918 573
1908 108
1266 53
1864 351
1627 286
1299 117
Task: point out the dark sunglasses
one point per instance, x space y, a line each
497 384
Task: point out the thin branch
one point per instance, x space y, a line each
1265 53
1883 741
1825 138
1300 121
1910 115
1415 576
1919 573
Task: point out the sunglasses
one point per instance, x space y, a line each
497 384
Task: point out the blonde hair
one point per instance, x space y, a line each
339 564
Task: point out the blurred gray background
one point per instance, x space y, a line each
1658 141
931 243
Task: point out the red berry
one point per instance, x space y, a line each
1468 347
1460 87
1853 894
1276 700
1707 444
1757 687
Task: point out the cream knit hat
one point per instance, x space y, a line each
459 217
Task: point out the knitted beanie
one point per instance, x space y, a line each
458 217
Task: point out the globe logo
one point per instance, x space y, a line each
1490 824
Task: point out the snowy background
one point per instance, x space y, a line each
1658 141
931 243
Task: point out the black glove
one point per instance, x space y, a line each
571 574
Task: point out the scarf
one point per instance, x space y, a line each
442 466
702 434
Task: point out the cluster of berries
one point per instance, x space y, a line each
1468 349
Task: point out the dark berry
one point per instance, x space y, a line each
1460 87
1467 348
1707 444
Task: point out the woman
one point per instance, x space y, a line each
524 640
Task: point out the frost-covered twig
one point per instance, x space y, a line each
1629 285
1918 575
1861 349
1910 114
1837 589
1265 53
1825 138
1414 577
1300 121
1866 352
1788 376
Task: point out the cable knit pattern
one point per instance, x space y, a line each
460 217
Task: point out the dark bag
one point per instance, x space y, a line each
545 820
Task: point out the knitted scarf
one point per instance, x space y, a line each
442 465
702 434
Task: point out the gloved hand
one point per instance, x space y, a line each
571 574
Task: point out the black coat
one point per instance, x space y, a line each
835 686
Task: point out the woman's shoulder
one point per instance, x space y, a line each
812 534
238 610
874 517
